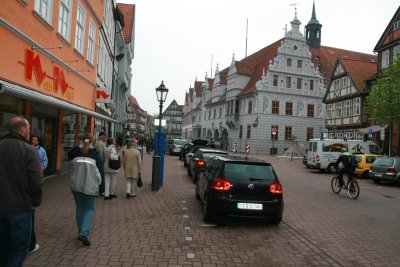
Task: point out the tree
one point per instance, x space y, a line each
383 101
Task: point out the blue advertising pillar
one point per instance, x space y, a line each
161 153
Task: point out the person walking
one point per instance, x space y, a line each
84 184
101 145
110 175
35 141
132 163
21 189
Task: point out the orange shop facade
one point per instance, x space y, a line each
58 101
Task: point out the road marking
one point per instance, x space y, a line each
187 228
188 238
185 216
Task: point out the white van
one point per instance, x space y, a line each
322 154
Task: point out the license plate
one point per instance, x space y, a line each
249 206
378 175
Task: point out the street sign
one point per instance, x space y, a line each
274 130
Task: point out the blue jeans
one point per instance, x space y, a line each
15 235
85 208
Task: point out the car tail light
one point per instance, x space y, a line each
220 184
317 158
391 170
276 188
174 147
200 163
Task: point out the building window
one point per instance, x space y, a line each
274 136
209 114
236 107
275 80
220 112
215 113
385 58
310 110
329 111
299 80
275 107
248 131
311 85
299 63
91 38
80 28
356 106
250 107
338 109
228 106
396 25
64 20
289 108
288 133
289 62
44 9
205 115
288 82
346 108
240 131
310 133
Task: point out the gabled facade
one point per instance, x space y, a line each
345 98
387 48
173 118
191 112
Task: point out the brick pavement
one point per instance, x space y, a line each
165 229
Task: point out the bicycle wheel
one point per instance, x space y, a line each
353 189
336 188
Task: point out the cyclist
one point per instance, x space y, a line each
348 167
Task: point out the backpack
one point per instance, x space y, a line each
353 163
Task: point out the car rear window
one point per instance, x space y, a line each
384 162
180 142
208 156
249 171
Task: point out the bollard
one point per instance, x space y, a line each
155 179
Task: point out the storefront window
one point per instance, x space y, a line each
68 134
10 106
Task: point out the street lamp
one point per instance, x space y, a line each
162 93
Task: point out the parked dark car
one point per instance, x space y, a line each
385 169
232 186
184 150
197 143
199 160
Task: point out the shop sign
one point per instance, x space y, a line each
56 83
103 95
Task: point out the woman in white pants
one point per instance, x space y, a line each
110 175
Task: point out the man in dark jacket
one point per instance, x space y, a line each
21 184
348 168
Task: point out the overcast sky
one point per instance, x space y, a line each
179 40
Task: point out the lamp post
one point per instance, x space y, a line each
162 93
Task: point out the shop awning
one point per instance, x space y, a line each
373 128
28 94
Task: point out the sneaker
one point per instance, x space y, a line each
113 196
35 249
128 195
108 198
84 240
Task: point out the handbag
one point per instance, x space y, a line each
139 181
114 164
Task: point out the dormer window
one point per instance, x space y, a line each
295 47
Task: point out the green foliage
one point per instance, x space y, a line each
383 101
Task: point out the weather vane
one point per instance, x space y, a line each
295 4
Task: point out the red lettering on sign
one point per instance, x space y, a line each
59 79
103 94
32 64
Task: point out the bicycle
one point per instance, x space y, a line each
352 187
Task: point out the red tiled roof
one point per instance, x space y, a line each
133 101
325 58
128 11
359 71
198 88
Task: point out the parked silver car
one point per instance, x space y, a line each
386 169
173 146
